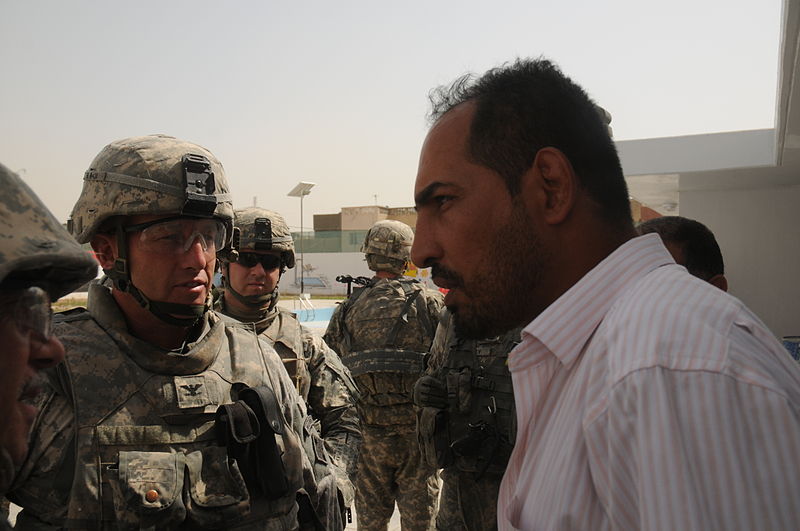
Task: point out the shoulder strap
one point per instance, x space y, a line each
347 337
411 296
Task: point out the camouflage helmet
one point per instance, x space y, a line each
155 174
35 249
388 239
264 230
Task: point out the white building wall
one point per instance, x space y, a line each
758 230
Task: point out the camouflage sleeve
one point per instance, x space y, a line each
435 301
331 399
43 481
333 335
441 339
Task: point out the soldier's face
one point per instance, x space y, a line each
182 278
255 280
476 237
24 353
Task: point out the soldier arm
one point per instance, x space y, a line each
331 399
441 339
334 334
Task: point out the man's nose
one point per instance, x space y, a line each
424 250
196 252
46 354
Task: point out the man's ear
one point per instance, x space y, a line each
105 249
551 182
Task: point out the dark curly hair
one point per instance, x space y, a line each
530 104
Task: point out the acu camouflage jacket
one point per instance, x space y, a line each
125 439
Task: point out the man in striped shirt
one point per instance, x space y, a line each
646 398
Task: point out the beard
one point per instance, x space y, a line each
500 293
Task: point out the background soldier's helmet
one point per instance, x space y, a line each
34 247
154 174
264 230
387 246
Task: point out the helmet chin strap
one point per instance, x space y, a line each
183 315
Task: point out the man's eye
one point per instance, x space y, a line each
442 199
169 237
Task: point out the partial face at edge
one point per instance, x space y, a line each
477 238
23 355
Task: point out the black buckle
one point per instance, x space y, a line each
199 185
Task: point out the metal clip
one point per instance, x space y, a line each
493 407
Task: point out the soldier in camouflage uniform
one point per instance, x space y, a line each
382 333
39 262
131 430
264 250
467 423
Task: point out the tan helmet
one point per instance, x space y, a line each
34 248
259 229
155 174
387 246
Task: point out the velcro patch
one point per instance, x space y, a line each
192 391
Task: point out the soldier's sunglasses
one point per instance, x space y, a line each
176 235
267 261
29 309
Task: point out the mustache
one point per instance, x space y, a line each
448 275
31 389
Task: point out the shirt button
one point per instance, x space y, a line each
151 496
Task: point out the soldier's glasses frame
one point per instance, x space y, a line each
29 309
177 234
267 261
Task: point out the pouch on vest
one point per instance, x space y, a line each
216 493
268 454
434 438
148 489
459 389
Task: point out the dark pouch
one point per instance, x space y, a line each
434 437
265 456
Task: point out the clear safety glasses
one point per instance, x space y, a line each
177 235
29 309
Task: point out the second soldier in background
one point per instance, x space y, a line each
382 332
265 250
467 423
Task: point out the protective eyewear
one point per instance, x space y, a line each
177 235
30 310
267 261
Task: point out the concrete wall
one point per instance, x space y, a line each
758 230
358 218
327 222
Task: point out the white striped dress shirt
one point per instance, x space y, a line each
649 399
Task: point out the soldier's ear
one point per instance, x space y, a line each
105 249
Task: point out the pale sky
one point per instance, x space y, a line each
335 92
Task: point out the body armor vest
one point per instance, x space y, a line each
145 452
282 329
477 432
387 332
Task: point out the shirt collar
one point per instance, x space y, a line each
568 323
